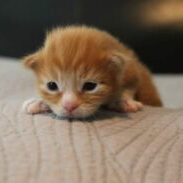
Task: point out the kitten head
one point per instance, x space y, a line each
78 70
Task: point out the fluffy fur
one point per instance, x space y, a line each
74 55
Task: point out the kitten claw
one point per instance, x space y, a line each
35 106
131 105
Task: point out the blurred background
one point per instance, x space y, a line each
153 28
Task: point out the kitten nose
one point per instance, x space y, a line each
70 101
70 106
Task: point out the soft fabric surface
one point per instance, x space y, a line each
145 147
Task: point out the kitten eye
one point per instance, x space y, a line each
52 86
89 86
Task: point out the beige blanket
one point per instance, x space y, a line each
146 147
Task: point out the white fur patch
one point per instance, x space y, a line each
35 106
26 104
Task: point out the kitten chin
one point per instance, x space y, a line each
77 114
80 68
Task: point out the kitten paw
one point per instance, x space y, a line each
130 105
35 106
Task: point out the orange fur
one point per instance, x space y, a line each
75 54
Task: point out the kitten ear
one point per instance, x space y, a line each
117 60
32 61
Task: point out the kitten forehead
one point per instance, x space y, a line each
72 45
77 54
74 79
71 77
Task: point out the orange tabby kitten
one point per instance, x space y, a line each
80 69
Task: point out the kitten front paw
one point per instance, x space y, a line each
130 105
35 106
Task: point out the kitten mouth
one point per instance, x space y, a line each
74 114
70 115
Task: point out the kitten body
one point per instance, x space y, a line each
79 69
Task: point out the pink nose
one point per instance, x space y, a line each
69 106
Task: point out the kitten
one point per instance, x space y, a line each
80 68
